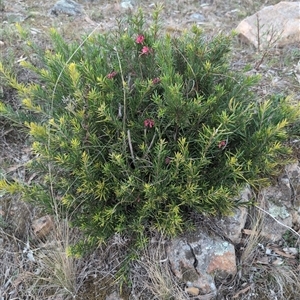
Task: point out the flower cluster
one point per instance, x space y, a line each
146 50
222 144
140 40
149 123
111 75
156 80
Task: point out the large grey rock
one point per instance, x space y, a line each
198 258
277 25
68 7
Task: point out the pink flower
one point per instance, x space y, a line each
140 39
146 50
111 75
149 123
156 80
222 144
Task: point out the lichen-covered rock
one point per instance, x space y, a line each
271 229
281 201
198 258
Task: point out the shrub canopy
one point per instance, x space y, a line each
134 130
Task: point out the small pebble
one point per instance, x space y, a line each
197 17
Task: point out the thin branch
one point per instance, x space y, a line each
130 146
124 90
258 33
151 143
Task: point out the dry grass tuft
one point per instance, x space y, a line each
57 271
39 270
152 277
263 274
42 269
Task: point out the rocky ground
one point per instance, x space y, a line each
41 270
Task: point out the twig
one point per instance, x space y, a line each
130 146
151 144
124 90
258 32
270 42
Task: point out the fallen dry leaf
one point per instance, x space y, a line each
192 291
247 288
277 262
291 250
248 231
263 260
281 253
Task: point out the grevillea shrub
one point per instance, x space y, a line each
135 129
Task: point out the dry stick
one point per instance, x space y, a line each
130 146
151 143
124 90
258 63
270 42
124 108
258 32
289 228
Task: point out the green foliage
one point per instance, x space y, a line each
135 129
